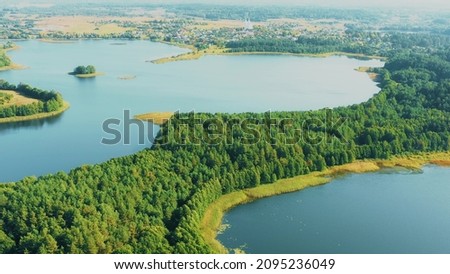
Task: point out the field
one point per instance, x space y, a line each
17 99
157 118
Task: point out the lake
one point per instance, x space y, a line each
211 84
392 211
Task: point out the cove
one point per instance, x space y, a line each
392 211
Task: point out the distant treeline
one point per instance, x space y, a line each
368 43
49 101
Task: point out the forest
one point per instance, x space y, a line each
153 201
48 101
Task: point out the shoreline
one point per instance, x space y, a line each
197 54
212 219
156 118
37 116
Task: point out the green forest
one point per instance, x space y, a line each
49 101
153 201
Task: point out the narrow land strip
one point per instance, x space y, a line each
157 118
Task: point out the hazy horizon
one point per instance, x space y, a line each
436 4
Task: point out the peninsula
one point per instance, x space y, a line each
24 103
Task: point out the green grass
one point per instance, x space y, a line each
11 66
157 118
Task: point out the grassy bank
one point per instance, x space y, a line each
157 118
35 116
90 75
212 219
192 55
197 54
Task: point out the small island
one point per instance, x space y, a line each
85 72
157 118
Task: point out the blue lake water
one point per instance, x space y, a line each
212 84
385 212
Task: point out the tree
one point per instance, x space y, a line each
90 69
84 70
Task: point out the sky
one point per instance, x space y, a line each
438 4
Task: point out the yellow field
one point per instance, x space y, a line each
373 76
212 218
193 55
157 118
12 66
82 24
18 99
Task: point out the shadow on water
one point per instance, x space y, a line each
33 124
